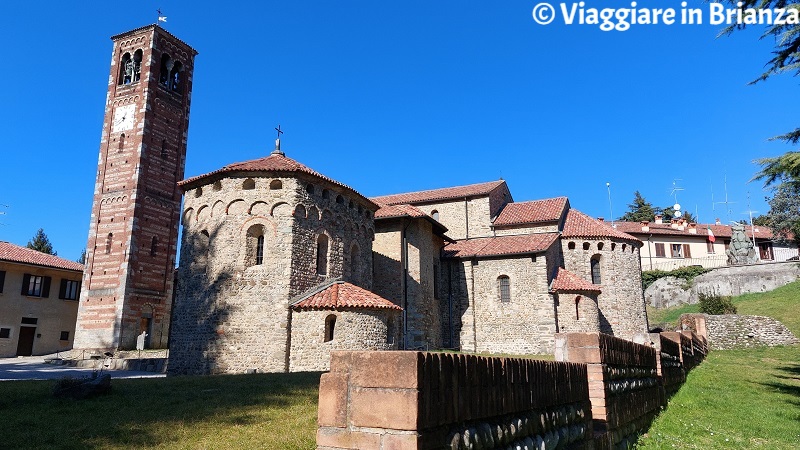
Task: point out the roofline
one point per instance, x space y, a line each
439 199
430 219
315 290
11 261
154 26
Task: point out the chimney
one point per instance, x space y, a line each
645 225
717 221
658 219
674 223
601 219
692 228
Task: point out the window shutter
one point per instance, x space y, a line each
62 290
686 252
26 280
46 287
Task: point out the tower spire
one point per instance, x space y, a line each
277 150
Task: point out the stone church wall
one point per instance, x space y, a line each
577 313
526 229
621 303
464 218
362 329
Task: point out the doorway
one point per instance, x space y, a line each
25 343
146 325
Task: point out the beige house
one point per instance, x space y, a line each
38 301
677 243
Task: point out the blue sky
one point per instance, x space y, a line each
396 96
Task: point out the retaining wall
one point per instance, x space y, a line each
730 331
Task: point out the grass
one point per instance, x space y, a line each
738 398
219 412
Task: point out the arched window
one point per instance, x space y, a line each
599 245
255 245
586 246
275 184
166 67
217 186
137 65
154 246
355 264
322 255
595 266
310 188
203 247
504 288
330 324
326 194
109 240
126 69
249 184
571 246
435 215
176 77
198 192
577 302
339 199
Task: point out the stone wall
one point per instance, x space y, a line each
416 400
577 313
362 329
470 218
733 331
524 325
670 291
621 302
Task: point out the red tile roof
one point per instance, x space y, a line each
566 281
341 294
15 253
397 211
536 211
432 195
271 163
500 245
579 225
702 230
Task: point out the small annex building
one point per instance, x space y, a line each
38 301
280 265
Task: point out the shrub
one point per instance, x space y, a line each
716 304
685 273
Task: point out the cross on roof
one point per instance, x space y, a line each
277 150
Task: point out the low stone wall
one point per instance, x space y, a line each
419 400
731 331
671 291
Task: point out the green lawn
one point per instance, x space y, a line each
214 412
738 398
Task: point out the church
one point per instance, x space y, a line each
280 265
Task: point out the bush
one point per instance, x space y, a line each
716 304
685 273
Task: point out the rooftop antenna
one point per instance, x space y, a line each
674 193
726 202
611 208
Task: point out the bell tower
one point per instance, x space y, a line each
130 255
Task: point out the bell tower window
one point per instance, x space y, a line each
126 69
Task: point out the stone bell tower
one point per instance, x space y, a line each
130 254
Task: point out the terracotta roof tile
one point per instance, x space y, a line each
500 245
341 294
15 253
566 281
580 225
472 190
271 163
702 230
536 211
391 211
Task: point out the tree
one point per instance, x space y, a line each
41 243
781 169
638 211
784 212
762 220
82 258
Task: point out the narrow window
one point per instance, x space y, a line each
176 77
154 246
504 288
330 324
64 336
577 303
166 67
595 266
599 245
354 264
260 250
121 142
126 69
436 281
137 65
322 255
2 279
109 240
204 247
435 215
164 152
661 251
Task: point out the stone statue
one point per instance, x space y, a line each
741 250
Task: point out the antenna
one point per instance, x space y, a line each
726 202
611 208
674 193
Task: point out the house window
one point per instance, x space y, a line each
35 286
5 333
660 251
64 336
330 324
595 266
765 250
69 290
2 279
504 288
710 247
322 255
29 321
677 251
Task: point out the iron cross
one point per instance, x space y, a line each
279 131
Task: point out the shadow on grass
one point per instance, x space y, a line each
151 412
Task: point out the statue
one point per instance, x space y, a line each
741 250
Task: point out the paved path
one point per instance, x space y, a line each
34 368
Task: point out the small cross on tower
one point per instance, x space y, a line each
277 150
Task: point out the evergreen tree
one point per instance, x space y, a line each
784 212
41 243
82 258
639 210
